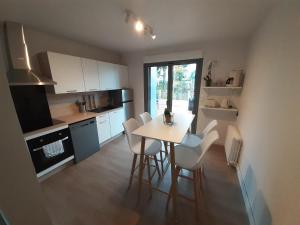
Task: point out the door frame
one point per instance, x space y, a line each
170 64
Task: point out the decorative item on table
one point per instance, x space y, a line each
211 103
234 79
225 103
168 117
81 105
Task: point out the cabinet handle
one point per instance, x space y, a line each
72 91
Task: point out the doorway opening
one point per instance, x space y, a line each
173 85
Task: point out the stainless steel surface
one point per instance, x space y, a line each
127 95
20 71
128 110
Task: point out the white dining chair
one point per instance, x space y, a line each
194 140
188 159
152 147
145 117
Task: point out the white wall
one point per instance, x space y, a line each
230 54
270 119
20 193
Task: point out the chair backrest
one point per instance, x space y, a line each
145 117
209 127
208 140
129 126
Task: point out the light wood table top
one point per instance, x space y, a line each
156 128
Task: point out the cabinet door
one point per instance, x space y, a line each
90 74
108 76
66 70
103 126
122 76
116 119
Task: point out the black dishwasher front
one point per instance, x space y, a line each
85 139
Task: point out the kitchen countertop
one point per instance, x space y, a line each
77 117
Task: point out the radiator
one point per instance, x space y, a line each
233 144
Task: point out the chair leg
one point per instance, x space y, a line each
195 181
149 177
156 165
132 170
161 161
166 147
177 171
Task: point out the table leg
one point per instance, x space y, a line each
174 181
141 169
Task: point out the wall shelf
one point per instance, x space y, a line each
223 91
221 113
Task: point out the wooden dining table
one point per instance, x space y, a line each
172 134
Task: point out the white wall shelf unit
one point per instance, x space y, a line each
220 113
223 91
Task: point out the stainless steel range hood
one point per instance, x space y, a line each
20 72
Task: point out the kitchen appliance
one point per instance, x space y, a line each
85 139
123 97
50 148
32 107
20 70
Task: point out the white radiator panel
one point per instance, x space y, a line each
233 144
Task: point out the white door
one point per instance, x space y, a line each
103 126
116 119
90 74
108 76
66 70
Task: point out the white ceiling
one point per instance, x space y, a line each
101 22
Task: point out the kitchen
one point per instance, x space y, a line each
149 112
103 103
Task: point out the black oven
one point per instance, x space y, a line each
50 149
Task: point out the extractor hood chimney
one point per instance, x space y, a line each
20 72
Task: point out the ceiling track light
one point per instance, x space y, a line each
139 25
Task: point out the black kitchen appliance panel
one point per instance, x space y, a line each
35 146
32 107
85 139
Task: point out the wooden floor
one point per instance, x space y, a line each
94 192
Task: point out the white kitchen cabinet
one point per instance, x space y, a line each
122 76
90 74
116 118
103 126
66 70
108 75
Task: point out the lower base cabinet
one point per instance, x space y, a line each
103 127
110 124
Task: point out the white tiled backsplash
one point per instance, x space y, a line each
64 104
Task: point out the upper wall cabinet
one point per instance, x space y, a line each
112 76
123 76
90 74
66 70
74 74
108 74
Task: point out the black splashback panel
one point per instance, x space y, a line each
32 107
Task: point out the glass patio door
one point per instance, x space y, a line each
183 88
172 85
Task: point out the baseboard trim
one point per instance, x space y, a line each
245 197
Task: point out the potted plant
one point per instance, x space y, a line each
207 78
